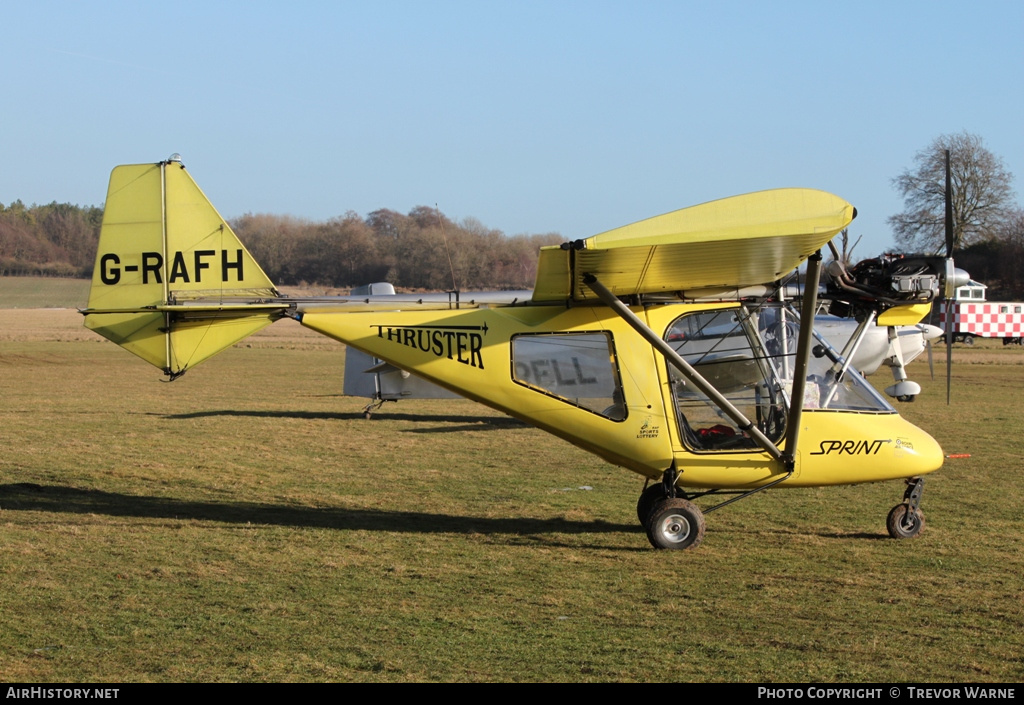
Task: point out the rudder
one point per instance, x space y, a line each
172 283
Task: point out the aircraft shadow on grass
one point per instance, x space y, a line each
465 423
60 499
63 499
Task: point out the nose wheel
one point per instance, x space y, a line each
906 520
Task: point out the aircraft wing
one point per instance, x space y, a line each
732 242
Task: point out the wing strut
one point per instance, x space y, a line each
853 344
803 356
691 375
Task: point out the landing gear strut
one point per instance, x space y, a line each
906 520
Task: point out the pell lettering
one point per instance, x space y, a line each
558 375
579 373
539 373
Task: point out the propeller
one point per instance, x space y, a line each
950 288
931 361
929 333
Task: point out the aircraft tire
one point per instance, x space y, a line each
648 498
676 524
899 528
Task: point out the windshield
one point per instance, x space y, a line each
832 384
749 356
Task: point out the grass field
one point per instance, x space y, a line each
246 523
43 292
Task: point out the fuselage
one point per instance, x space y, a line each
582 374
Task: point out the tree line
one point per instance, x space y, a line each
58 239
998 262
423 249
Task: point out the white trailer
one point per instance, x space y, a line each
974 317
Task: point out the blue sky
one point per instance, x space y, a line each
569 117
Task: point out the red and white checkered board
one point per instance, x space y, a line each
989 319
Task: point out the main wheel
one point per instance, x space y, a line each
676 524
968 339
904 525
648 498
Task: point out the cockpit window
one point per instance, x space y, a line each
749 356
578 368
723 347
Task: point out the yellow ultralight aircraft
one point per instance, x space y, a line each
659 346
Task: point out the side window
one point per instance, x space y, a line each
578 368
718 346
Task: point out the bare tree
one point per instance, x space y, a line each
982 195
845 248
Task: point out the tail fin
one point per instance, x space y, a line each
172 283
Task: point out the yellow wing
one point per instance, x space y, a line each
744 240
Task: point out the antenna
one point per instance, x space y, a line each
451 267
